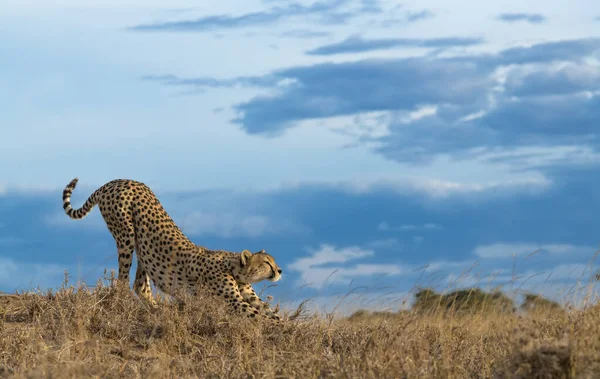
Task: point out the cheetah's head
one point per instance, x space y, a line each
258 266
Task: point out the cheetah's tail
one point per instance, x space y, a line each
81 212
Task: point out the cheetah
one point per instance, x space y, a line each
138 222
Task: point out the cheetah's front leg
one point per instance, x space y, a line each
252 298
141 285
225 286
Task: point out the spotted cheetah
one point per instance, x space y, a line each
138 221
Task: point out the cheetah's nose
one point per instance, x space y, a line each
279 271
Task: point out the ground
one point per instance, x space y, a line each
107 332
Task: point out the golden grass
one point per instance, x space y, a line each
107 332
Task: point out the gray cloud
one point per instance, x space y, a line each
325 11
545 119
420 15
570 78
304 33
539 103
357 44
535 121
246 81
339 218
459 84
397 16
550 51
532 18
328 89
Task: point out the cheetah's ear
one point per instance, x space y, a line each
245 256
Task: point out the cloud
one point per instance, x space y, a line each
565 79
532 18
14 274
313 273
384 227
388 243
231 224
328 254
396 15
471 107
521 96
560 272
419 15
548 52
357 44
40 189
59 218
304 33
347 220
226 215
429 187
201 83
445 265
507 250
324 11
335 89
567 120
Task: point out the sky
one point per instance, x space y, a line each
373 147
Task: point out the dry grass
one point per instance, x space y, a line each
107 332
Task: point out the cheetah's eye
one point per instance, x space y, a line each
271 266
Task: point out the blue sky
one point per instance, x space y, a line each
371 146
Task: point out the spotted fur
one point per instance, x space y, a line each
138 222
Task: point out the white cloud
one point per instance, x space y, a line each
384 227
92 220
565 272
362 125
428 187
232 224
329 254
437 188
224 214
445 265
19 275
388 243
33 189
507 250
314 274
528 157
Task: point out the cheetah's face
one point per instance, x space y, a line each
259 266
